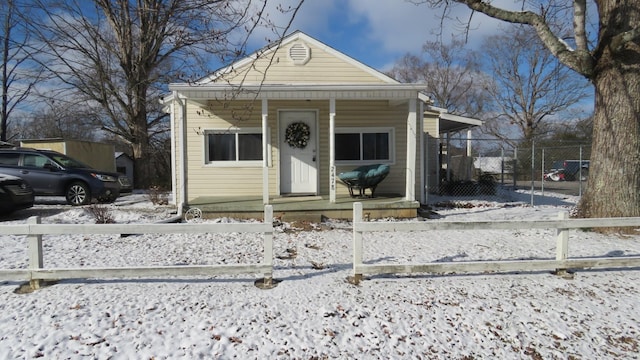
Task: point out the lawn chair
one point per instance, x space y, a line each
364 177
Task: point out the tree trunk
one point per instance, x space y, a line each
141 160
613 189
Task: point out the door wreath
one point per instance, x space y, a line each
297 135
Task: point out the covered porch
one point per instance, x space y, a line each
333 106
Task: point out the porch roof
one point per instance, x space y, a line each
453 123
298 91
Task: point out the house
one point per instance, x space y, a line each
278 126
97 155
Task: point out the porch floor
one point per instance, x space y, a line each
311 208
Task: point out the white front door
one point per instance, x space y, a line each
298 152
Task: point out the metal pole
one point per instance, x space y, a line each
542 176
533 158
357 243
580 173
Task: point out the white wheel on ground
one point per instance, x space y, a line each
193 213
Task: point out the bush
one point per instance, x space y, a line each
486 184
157 195
101 214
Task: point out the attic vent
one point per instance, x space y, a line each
299 53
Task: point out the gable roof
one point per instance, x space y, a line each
297 36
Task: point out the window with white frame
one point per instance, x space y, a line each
234 146
364 145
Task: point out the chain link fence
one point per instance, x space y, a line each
489 169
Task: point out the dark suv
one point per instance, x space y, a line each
50 173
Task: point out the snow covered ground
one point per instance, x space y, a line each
314 313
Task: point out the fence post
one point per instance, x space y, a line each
562 249
580 173
357 243
268 247
533 164
36 261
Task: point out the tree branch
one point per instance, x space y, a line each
580 61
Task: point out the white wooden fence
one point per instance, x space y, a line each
560 264
36 271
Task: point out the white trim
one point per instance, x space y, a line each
266 146
368 130
421 154
332 150
391 91
174 174
231 163
183 149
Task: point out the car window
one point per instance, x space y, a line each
34 160
69 162
9 159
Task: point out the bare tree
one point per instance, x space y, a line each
121 54
452 75
530 88
17 77
610 60
56 119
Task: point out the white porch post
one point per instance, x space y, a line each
411 150
174 147
332 150
265 151
423 154
183 150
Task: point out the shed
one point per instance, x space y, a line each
99 156
124 165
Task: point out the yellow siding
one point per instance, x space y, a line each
206 180
431 149
322 68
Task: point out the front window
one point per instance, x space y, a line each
234 146
364 145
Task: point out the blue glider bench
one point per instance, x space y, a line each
364 177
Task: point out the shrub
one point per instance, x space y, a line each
101 214
157 196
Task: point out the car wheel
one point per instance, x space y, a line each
78 194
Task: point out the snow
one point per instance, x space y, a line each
313 312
